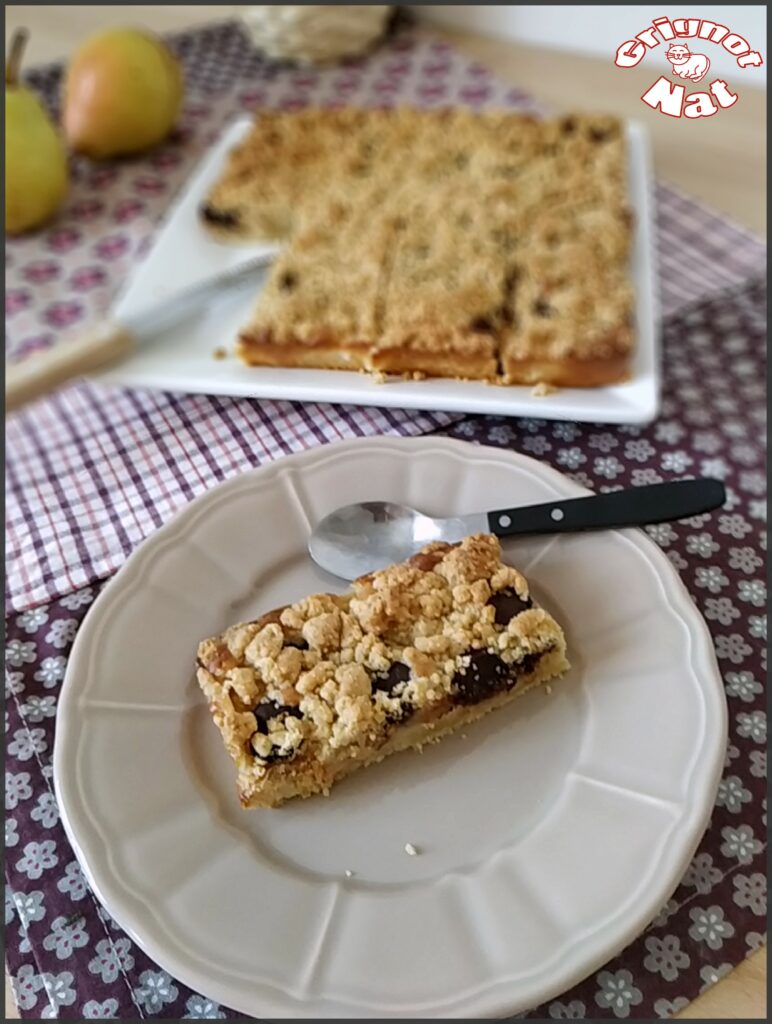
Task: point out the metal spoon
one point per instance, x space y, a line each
359 539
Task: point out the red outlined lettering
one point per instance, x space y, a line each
699 104
629 54
665 96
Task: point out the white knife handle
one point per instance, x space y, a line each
36 376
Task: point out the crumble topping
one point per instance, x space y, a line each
499 242
330 673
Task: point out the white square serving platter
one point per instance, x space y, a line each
181 358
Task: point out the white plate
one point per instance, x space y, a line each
181 359
550 835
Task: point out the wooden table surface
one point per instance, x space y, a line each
720 160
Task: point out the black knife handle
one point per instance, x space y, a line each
637 506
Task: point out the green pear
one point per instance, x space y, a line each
122 94
35 159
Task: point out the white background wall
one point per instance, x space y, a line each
599 30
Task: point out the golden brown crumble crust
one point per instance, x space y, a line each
441 243
330 677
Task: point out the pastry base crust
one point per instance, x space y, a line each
568 373
321 356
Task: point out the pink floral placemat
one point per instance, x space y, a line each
93 471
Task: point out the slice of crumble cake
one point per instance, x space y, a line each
310 692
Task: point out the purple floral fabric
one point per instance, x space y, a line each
67 957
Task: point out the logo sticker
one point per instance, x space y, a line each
689 63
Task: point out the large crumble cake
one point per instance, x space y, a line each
445 243
310 692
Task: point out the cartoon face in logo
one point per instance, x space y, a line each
686 64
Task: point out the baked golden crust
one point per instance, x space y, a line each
309 692
442 243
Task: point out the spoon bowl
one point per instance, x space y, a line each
359 539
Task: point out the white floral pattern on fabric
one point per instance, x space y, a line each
112 958
639 451
609 467
740 842
107 1010
62 632
26 743
26 986
752 591
73 882
754 941
78 599
17 788
734 525
751 892
31 620
51 671
11 833
20 652
676 462
753 725
710 975
536 445
10 910
642 477
617 992
46 810
571 458
743 685
710 578
665 1008
200 1008
38 857
732 648
665 956
602 442
669 433
30 906
758 764
744 559
701 874
757 626
573 1010
37 709
710 926
662 533
701 544
155 991
721 610
65 936
714 467
60 991
14 683
732 794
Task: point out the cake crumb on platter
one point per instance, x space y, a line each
411 851
543 389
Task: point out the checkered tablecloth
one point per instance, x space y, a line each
92 471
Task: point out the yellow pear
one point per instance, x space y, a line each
35 159
122 94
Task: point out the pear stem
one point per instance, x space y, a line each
13 64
